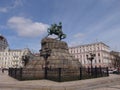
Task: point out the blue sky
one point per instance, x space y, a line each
24 22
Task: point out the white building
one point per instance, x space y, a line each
115 59
100 50
13 58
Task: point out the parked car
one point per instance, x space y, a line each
116 71
110 71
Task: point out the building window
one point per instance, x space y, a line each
98 54
98 48
95 61
99 61
84 62
79 50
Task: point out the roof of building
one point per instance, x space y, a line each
1 37
89 44
3 42
115 53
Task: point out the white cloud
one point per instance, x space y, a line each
26 27
4 10
73 43
78 35
15 4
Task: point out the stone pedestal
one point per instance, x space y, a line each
59 58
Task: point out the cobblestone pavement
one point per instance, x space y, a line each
106 83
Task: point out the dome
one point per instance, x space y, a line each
3 43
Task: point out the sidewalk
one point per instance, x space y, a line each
6 81
5 78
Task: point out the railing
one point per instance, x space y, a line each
15 73
62 74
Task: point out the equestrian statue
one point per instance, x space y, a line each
56 30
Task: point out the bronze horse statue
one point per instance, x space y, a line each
57 30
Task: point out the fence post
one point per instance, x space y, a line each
107 71
9 71
15 69
12 72
96 71
89 71
80 73
46 74
21 73
100 71
92 72
59 74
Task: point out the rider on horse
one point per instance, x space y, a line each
57 30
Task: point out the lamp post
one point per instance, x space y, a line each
45 53
90 57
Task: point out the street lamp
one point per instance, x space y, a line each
45 53
90 57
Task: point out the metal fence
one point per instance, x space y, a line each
15 73
62 74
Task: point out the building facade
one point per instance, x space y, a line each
115 59
13 58
101 51
3 43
